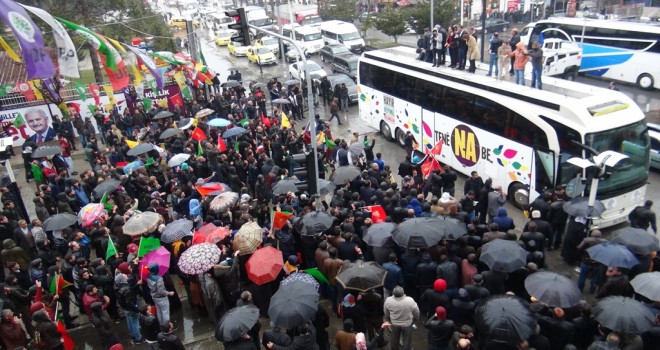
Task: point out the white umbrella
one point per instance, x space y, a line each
178 160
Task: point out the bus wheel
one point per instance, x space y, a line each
400 136
519 195
386 131
645 81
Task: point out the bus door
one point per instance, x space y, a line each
543 171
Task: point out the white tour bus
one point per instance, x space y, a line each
306 36
614 50
518 136
344 33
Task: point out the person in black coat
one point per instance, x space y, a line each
149 326
167 340
462 309
440 330
355 312
434 297
306 340
559 331
243 343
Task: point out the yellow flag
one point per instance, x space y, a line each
37 92
285 121
137 76
321 138
109 107
180 79
111 94
116 44
194 123
10 52
162 102
131 144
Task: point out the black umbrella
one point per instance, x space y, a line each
106 187
285 186
553 289
316 222
140 149
418 232
293 304
624 315
163 115
503 255
59 222
184 123
362 276
236 322
344 174
325 186
452 228
579 206
505 319
379 235
169 133
176 230
230 84
639 241
46 151
612 254
647 284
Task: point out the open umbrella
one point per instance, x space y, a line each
185 123
210 233
356 148
639 241
230 84
622 314
140 223
90 213
223 201
254 87
281 101
316 222
204 113
344 174
648 285
325 186
293 304
140 149
46 151
579 206
452 228
292 82
235 131
380 234
106 187
300 276
264 265
178 159
553 289
285 186
505 319
169 133
248 238
176 230
59 222
362 276
163 115
612 254
199 258
160 256
219 122
503 255
418 232
236 322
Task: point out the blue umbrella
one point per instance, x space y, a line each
130 167
219 122
611 254
235 131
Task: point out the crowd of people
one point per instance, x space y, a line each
437 288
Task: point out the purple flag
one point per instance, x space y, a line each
143 57
37 61
51 86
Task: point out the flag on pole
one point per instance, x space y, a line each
35 85
10 52
222 146
437 149
57 284
176 100
137 76
320 139
93 39
377 213
104 201
147 245
285 121
112 250
430 165
110 92
148 62
280 218
198 135
18 121
67 342
80 89
131 144
6 89
244 122
200 149
147 103
329 143
25 89
266 121
95 90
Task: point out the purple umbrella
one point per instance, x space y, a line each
159 256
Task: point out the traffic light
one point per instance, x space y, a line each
303 169
240 25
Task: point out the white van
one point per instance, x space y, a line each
344 33
306 36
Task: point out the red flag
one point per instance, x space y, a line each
96 93
119 78
25 89
266 121
437 149
198 134
68 342
431 164
377 213
222 146
280 218
73 105
177 100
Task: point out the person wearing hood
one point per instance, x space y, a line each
49 336
414 205
12 252
440 330
503 220
306 340
127 298
80 193
195 211
104 325
159 294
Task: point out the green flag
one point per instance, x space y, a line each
147 102
80 89
6 89
93 39
93 108
170 58
151 83
244 122
200 150
18 121
186 93
112 250
329 143
236 146
148 244
150 162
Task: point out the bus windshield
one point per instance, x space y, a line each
350 36
261 22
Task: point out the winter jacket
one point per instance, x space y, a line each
102 321
169 341
157 287
301 342
448 271
50 337
401 311
12 252
439 331
394 276
504 222
12 334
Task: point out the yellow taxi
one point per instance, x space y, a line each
181 23
237 48
260 55
223 37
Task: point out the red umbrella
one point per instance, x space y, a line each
210 233
264 265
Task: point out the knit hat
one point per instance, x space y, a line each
440 313
132 248
154 268
536 214
123 268
439 285
349 300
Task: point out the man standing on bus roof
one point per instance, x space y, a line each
462 48
536 54
515 39
495 43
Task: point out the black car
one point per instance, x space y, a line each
494 25
329 52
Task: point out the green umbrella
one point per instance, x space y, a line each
317 274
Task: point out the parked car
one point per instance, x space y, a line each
292 54
346 64
260 55
237 48
340 78
654 133
328 52
296 70
494 25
